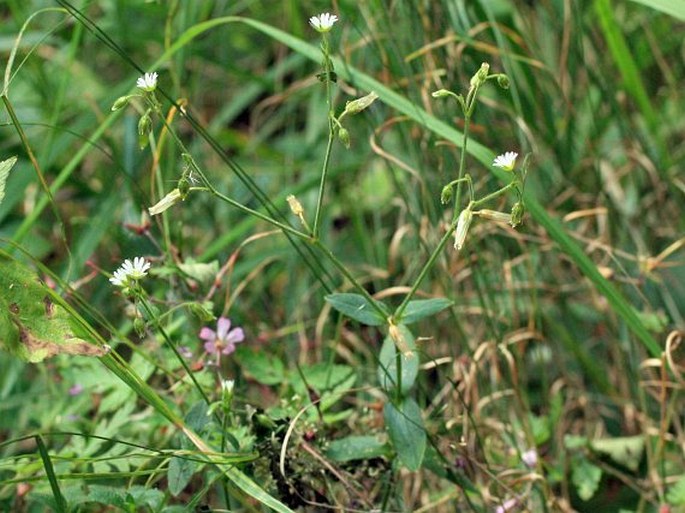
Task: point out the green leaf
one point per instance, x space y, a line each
5 168
265 368
675 8
420 308
34 323
357 448
179 474
200 271
405 427
388 359
676 493
357 307
586 478
626 450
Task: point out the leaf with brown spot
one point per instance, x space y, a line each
34 323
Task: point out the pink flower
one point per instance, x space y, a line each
222 341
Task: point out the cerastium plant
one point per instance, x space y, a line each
399 357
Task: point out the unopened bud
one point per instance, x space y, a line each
183 187
144 125
344 137
121 102
481 75
517 212
494 215
295 205
441 93
166 202
446 194
358 105
463 224
503 81
397 337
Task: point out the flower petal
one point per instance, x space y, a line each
207 334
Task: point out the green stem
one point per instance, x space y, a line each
327 70
494 195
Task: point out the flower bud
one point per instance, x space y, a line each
144 125
441 93
446 194
503 81
183 187
121 102
358 105
494 215
463 224
295 205
517 212
344 137
166 202
481 75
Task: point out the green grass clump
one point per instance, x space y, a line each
369 364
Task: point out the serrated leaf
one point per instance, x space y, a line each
5 168
357 448
357 307
626 450
179 474
405 427
422 308
586 478
388 360
34 324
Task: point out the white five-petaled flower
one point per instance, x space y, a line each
130 271
147 82
506 161
323 22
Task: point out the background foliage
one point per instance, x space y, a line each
533 353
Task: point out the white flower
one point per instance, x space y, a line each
130 271
323 22
147 82
506 161
530 458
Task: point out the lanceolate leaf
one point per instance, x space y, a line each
34 324
357 307
405 427
5 168
421 308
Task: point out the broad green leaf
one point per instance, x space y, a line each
179 474
626 450
357 307
421 308
5 168
265 368
405 427
586 478
676 492
34 323
675 8
388 360
200 271
357 448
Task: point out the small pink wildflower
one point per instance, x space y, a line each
507 506
222 341
76 389
530 458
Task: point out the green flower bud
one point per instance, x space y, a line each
441 93
446 194
145 124
344 137
481 75
503 81
139 326
183 187
517 212
358 105
121 102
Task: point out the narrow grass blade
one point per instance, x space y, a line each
60 501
